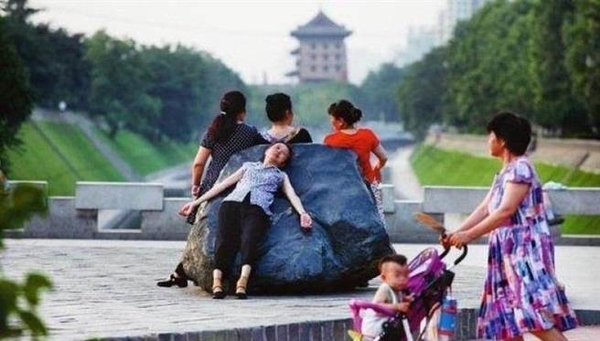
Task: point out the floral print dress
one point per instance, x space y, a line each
521 292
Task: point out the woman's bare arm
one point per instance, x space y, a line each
305 219
220 187
198 168
211 193
513 197
477 215
381 157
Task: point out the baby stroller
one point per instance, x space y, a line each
429 282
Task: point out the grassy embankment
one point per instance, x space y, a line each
434 166
145 157
67 156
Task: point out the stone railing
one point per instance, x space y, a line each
77 217
451 204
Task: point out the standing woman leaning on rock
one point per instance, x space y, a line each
227 135
279 111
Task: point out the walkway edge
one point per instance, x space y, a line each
320 330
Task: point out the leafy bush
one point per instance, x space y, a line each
18 301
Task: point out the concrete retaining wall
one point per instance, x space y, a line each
320 330
570 153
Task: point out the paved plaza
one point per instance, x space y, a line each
107 288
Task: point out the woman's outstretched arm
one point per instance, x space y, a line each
305 219
213 192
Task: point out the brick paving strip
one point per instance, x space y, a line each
107 289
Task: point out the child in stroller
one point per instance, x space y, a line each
428 285
391 294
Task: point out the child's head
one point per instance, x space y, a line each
343 114
393 270
279 154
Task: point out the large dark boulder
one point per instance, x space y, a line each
339 253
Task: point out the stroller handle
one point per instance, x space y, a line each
463 255
465 250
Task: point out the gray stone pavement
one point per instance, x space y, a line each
106 288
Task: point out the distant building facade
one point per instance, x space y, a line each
423 39
457 10
419 41
321 55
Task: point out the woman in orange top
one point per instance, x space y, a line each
363 141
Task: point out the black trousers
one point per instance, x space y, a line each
241 228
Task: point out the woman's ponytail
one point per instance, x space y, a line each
232 104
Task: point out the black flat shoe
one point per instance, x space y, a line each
173 280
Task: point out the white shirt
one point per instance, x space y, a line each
372 323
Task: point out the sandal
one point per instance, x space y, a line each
217 292
240 288
173 280
242 283
240 292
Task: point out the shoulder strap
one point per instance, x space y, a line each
392 294
291 134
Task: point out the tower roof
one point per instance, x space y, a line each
320 26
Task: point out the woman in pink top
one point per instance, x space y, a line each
362 141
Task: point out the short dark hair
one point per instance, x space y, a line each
345 110
277 105
395 258
513 129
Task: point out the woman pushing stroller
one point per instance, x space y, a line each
521 292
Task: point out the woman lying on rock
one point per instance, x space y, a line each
244 215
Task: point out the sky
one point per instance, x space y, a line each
250 37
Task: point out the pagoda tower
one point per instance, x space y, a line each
321 55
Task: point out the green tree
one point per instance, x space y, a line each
557 109
53 58
311 102
17 9
174 80
488 62
15 96
420 95
118 91
189 85
379 90
18 301
67 72
218 80
582 39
